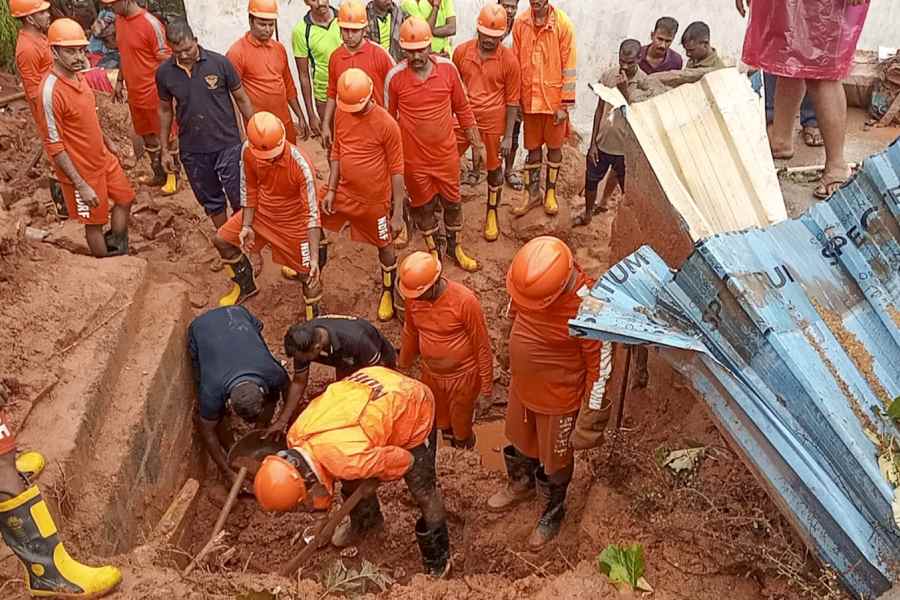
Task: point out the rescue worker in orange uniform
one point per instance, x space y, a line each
550 374
445 325
83 157
424 93
265 71
279 208
544 42
141 40
493 79
366 176
33 58
375 424
359 52
29 531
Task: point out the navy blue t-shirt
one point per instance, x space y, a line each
226 348
203 108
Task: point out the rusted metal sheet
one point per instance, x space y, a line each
791 335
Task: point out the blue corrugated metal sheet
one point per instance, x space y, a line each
791 335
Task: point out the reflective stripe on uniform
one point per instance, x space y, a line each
598 391
243 175
387 82
311 199
159 31
47 100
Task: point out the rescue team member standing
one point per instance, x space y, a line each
33 58
550 374
385 18
264 69
233 370
141 40
441 18
345 343
366 175
513 179
445 325
493 79
201 84
424 93
544 41
314 38
355 52
30 533
279 208
607 148
376 424
83 157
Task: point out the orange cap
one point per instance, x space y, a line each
66 32
417 273
263 9
352 15
23 8
278 485
415 34
492 20
266 135
354 89
539 272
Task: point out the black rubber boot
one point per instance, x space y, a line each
59 200
364 518
159 176
550 522
116 243
241 272
520 471
434 544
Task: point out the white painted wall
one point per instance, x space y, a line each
600 26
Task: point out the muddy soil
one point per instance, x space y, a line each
709 534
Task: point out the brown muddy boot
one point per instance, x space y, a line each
532 190
520 471
159 175
551 203
550 522
365 517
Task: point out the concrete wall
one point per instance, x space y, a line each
601 26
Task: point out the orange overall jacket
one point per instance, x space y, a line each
547 57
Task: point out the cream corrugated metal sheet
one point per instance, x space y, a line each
706 143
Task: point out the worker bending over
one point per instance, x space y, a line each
29 531
424 93
493 80
262 64
376 424
233 370
83 156
445 325
365 188
550 374
356 52
279 208
544 42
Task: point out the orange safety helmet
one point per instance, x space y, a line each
352 15
415 34
66 32
23 8
278 485
539 272
492 20
354 89
263 9
266 135
418 273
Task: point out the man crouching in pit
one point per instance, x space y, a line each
375 424
234 370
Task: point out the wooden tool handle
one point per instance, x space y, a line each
220 522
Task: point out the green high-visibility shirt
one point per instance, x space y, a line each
384 31
316 43
422 8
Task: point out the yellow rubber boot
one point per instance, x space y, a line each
551 204
241 273
29 531
31 464
455 249
386 305
171 185
491 222
431 242
312 308
532 176
289 273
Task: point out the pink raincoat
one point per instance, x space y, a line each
803 39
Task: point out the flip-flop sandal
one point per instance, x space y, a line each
827 188
514 180
812 137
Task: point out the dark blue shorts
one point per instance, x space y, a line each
597 171
215 178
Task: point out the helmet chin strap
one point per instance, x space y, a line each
296 458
